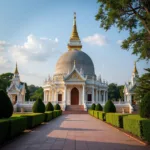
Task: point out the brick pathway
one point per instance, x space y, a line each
75 132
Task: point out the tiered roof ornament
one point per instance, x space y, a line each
74 42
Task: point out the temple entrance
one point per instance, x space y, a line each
74 96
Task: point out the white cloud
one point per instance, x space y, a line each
119 42
96 39
35 49
3 46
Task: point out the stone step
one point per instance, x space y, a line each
74 112
75 108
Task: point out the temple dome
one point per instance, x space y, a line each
65 63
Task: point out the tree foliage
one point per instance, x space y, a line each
143 85
145 106
6 107
132 15
5 80
37 94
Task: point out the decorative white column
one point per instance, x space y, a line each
52 95
65 94
100 96
96 96
48 96
104 97
83 95
92 94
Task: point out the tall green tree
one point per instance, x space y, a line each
143 86
5 80
27 96
120 89
113 92
131 15
37 94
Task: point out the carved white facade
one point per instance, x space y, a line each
74 81
16 91
129 88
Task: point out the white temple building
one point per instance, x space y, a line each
129 88
16 91
74 81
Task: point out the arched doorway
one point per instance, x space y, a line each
74 96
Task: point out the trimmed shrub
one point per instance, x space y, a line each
38 106
57 107
49 107
17 125
34 119
6 107
91 112
48 116
115 119
93 106
98 107
145 106
96 114
109 107
137 126
54 114
4 130
146 130
101 115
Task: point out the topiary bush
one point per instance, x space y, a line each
57 107
49 107
145 106
98 107
38 106
109 107
93 106
6 107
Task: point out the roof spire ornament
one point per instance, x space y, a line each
16 69
74 42
135 69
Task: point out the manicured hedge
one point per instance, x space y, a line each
34 119
115 119
146 130
48 116
137 126
4 130
101 115
91 112
17 125
11 127
97 114
56 113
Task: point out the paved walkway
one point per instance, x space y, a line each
75 132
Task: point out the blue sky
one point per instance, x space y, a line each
35 33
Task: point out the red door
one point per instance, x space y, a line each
74 96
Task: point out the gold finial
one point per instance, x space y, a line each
74 42
135 69
74 35
16 69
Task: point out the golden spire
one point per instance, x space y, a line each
16 69
135 69
74 43
74 35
